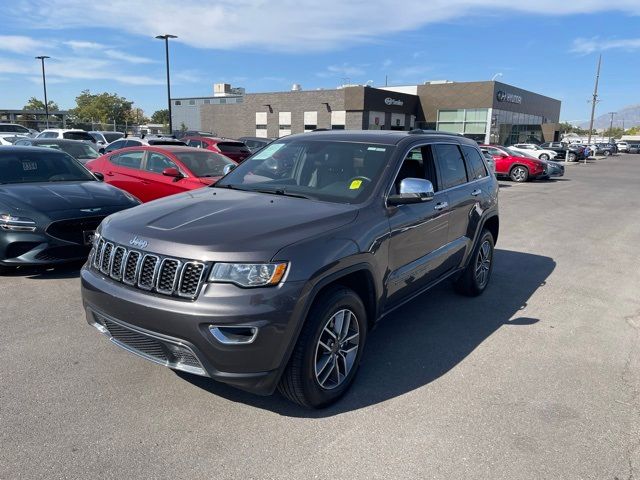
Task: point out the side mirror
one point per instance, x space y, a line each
412 190
227 168
172 172
99 176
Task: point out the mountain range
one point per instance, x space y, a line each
630 115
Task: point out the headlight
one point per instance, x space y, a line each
16 224
248 274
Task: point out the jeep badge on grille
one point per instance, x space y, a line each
138 242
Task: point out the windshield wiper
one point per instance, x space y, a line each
280 191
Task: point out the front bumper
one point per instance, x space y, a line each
180 328
34 248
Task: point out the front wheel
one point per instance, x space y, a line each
606 153
476 275
544 156
519 174
325 359
571 157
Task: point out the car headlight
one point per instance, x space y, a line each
248 274
16 224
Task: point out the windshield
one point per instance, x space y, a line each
518 153
113 136
80 150
78 136
40 166
330 171
204 164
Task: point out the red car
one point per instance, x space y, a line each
514 165
233 149
149 173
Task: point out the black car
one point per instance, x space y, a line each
50 207
273 277
605 149
255 143
566 151
78 149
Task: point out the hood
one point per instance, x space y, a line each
220 224
60 196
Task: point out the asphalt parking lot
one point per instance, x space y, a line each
538 378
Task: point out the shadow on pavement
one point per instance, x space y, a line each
67 270
423 340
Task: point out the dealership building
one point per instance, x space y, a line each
491 112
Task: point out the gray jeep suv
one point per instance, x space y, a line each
273 277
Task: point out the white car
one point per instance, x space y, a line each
623 147
534 150
67 133
15 129
10 138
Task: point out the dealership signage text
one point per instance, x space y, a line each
503 96
392 101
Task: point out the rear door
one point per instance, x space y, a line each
462 195
157 185
123 170
417 249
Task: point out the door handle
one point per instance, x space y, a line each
441 206
476 192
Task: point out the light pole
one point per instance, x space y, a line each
44 83
166 38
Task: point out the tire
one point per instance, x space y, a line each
473 282
544 156
519 174
572 157
606 153
305 380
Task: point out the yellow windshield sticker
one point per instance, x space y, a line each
355 185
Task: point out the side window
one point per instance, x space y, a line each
475 164
132 143
450 165
9 128
494 151
128 159
417 164
195 143
156 163
21 129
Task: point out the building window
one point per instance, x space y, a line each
261 126
337 127
192 102
207 101
338 119
471 122
285 127
223 100
177 102
310 121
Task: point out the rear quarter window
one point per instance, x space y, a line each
232 147
450 165
78 136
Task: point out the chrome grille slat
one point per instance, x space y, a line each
149 272
131 267
117 262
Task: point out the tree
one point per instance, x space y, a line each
101 107
633 131
160 116
35 104
137 117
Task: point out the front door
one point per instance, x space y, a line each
418 232
157 185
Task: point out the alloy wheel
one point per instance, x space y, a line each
519 174
337 349
483 264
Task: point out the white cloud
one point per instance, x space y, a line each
82 45
22 44
125 57
285 25
596 44
344 70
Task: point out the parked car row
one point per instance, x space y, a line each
519 165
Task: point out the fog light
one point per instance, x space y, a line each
234 335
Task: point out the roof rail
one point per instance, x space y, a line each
419 131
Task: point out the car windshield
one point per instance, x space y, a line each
332 171
40 166
113 136
204 164
518 153
79 150
79 135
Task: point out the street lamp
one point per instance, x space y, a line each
166 38
44 83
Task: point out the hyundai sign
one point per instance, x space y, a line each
503 96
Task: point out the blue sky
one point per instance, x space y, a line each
266 45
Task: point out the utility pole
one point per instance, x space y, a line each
611 125
595 99
166 38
